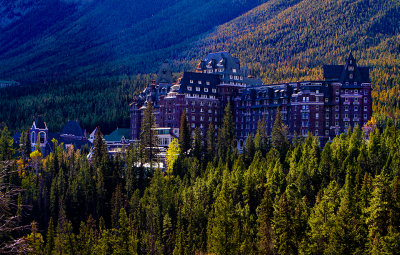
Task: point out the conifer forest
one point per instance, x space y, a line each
280 196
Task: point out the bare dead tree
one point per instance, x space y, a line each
9 219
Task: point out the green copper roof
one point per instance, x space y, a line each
117 135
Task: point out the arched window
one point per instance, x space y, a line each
42 137
33 137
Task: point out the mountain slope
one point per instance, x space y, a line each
292 43
69 42
106 37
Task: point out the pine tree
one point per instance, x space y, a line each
227 139
222 225
100 154
148 136
249 149
265 231
184 134
50 238
261 137
198 144
284 226
211 144
279 134
6 148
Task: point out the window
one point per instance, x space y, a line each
42 137
365 116
365 100
189 88
346 116
307 99
337 99
365 108
355 115
327 124
316 124
327 116
337 107
326 132
316 99
205 89
355 108
356 91
337 92
199 82
317 91
326 100
346 99
336 116
365 92
207 82
346 91
193 125
191 81
317 115
316 132
351 76
234 70
197 88
193 118
33 137
346 108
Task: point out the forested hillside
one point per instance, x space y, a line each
278 197
81 39
68 44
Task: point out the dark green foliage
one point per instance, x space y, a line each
308 202
148 135
184 134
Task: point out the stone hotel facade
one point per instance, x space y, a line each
326 108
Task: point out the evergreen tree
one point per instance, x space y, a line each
227 139
279 134
100 154
148 136
261 137
249 149
198 144
222 224
210 140
50 238
264 221
184 134
6 145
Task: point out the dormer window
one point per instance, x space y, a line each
351 68
197 88
234 70
199 82
207 83
191 81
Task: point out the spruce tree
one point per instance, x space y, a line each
227 139
148 136
210 140
184 134
198 144
264 221
279 134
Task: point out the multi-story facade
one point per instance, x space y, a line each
325 108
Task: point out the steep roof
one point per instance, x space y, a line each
349 72
39 123
72 128
117 135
